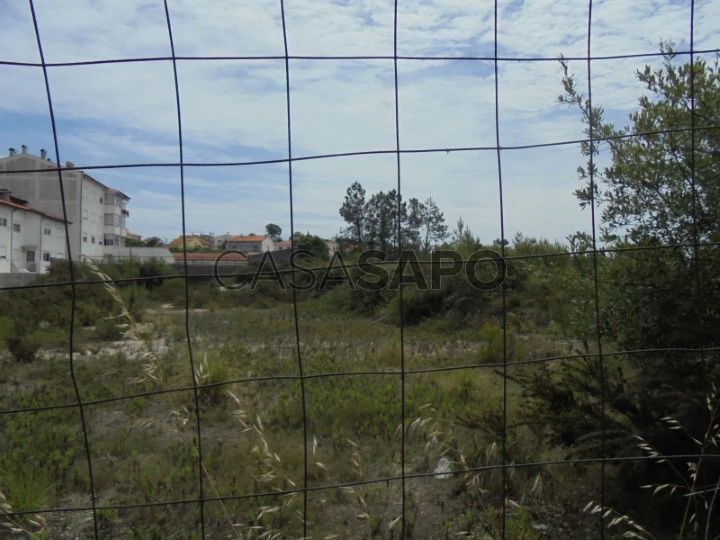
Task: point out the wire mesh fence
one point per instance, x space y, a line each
326 430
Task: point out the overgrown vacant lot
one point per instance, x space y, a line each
144 448
580 393
591 375
532 398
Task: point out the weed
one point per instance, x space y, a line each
698 499
33 526
154 372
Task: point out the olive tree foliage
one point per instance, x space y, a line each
662 184
661 191
655 291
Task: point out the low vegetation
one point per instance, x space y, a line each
520 390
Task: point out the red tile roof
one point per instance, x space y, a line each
210 257
190 239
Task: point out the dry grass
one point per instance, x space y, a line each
686 485
153 372
33 526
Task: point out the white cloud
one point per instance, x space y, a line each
105 146
235 111
637 26
544 28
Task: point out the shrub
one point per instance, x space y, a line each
6 326
108 330
135 298
492 335
416 305
25 347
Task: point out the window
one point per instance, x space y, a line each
85 239
85 214
47 232
46 256
92 240
30 256
101 200
16 227
3 222
94 217
3 252
112 240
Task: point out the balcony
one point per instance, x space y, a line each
113 229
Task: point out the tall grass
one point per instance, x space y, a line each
698 499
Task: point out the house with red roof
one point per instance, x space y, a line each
192 241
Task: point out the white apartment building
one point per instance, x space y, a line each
97 213
29 238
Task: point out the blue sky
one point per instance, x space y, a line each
234 111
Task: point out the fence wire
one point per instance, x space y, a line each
302 377
71 330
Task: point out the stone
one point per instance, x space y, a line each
442 471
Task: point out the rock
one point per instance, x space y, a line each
442 471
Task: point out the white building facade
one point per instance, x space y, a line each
251 244
97 213
29 238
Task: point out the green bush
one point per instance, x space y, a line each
135 298
25 347
6 327
416 305
108 330
492 335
